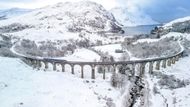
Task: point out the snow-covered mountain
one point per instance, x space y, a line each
13 12
62 21
60 27
129 18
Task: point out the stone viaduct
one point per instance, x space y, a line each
163 62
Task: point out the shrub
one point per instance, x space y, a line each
164 47
118 80
170 81
15 27
5 52
119 51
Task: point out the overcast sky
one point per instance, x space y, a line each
160 10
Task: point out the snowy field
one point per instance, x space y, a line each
22 86
82 55
110 49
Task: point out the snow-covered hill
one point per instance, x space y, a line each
13 12
62 21
181 25
128 18
180 20
61 27
73 17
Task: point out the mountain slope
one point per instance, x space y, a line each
71 16
62 21
127 18
179 25
63 26
13 12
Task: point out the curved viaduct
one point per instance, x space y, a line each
163 62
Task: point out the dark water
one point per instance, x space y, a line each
143 29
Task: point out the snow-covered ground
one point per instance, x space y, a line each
82 55
110 49
179 97
146 40
177 35
20 85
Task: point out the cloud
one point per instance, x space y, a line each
161 10
134 6
182 9
15 3
108 4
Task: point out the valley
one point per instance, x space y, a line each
78 54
